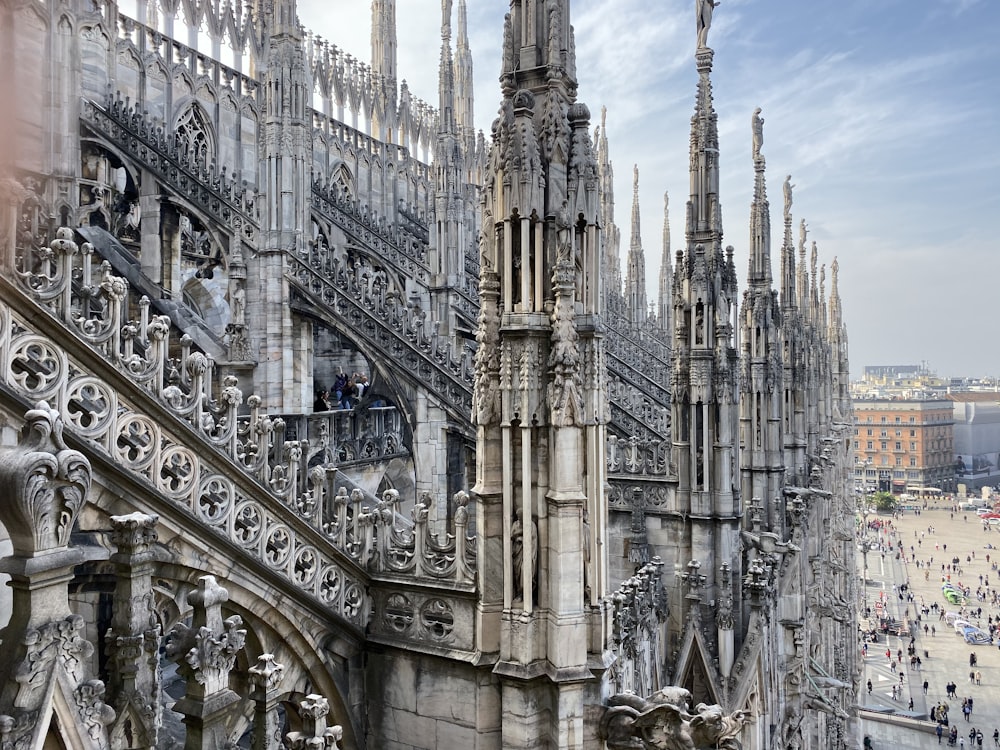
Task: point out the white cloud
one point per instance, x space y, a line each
885 114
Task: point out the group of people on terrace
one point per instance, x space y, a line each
346 392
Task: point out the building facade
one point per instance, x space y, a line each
554 518
904 443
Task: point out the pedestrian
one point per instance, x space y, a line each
870 687
911 704
940 731
979 677
926 685
972 677
894 691
996 737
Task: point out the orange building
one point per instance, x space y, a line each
901 443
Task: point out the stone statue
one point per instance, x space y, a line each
662 722
518 552
239 304
703 14
787 189
757 126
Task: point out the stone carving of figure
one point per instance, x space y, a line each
703 12
517 551
757 125
446 19
239 305
563 228
787 188
663 722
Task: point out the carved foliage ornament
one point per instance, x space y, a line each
45 483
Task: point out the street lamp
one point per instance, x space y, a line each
865 544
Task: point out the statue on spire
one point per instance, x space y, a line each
787 188
446 19
703 14
757 126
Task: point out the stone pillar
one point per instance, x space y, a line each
265 679
133 640
45 661
206 653
313 711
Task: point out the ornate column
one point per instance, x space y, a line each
206 653
45 661
313 711
133 640
265 679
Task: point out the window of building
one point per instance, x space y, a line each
899 460
913 433
913 420
869 432
870 445
885 445
913 445
884 433
899 445
897 420
883 420
857 444
885 460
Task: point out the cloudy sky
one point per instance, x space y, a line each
886 114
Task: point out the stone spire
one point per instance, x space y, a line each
788 296
801 274
664 310
384 38
540 402
635 284
705 417
761 391
463 76
760 214
451 238
609 230
837 333
446 74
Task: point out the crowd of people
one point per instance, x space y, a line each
346 392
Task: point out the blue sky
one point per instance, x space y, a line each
886 114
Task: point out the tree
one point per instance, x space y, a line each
884 502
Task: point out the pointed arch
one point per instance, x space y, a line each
195 136
344 181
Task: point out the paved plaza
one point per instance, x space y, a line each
944 654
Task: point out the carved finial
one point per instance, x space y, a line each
313 711
267 674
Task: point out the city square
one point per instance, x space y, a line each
936 536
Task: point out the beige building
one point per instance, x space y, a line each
904 443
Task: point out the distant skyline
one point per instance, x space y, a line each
887 116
